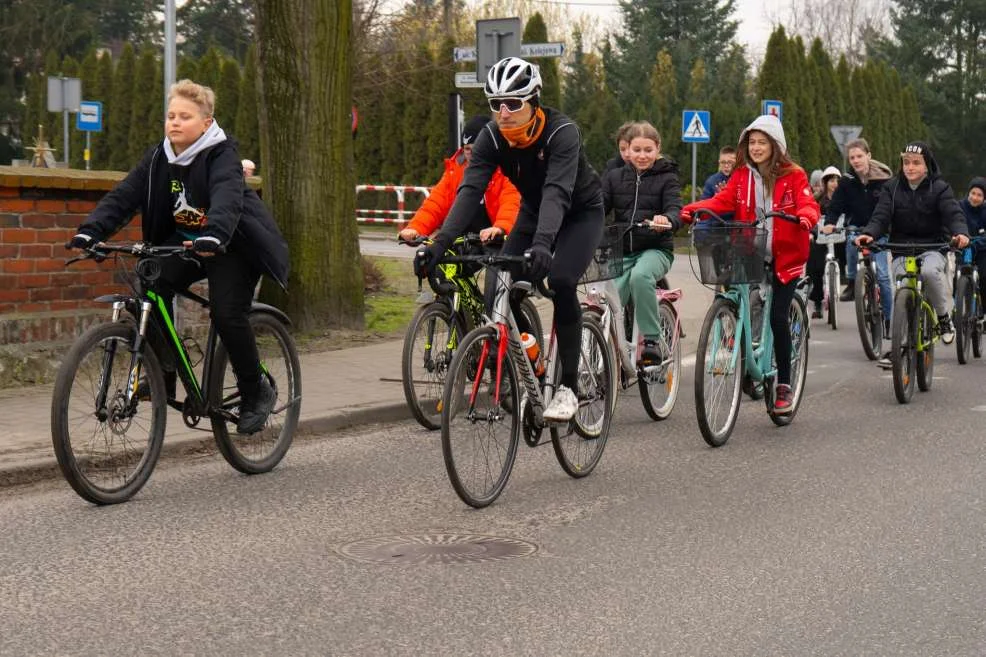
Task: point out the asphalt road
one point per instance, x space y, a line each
855 531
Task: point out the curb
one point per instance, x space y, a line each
42 468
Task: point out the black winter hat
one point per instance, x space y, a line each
978 182
921 148
472 129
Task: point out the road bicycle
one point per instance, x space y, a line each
731 257
493 396
658 384
830 277
110 400
914 323
437 326
968 313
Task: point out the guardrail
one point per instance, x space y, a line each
398 216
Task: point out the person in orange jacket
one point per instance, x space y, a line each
765 179
494 217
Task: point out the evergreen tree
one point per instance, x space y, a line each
87 75
34 110
209 69
228 96
52 121
103 92
665 102
828 100
437 129
247 110
802 110
391 121
145 108
535 31
731 103
417 104
577 88
188 69
69 69
369 99
843 80
121 107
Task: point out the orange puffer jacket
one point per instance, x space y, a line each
502 199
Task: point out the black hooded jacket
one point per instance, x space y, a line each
636 196
214 180
928 213
975 217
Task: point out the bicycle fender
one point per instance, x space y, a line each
257 307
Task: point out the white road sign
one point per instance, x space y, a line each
553 49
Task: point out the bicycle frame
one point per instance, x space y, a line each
757 365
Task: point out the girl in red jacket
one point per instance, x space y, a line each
767 180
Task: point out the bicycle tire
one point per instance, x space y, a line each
714 432
977 327
465 368
964 322
74 371
580 449
869 318
423 389
903 355
798 325
833 282
659 391
926 356
530 311
260 452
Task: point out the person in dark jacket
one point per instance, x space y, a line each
646 189
718 180
190 190
561 212
622 144
916 207
856 198
975 217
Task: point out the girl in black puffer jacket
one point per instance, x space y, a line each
645 189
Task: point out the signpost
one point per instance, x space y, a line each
90 120
843 134
696 128
774 107
551 49
64 95
496 38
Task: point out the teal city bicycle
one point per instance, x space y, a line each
731 356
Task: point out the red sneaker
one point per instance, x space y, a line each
783 400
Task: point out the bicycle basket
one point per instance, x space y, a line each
730 253
607 261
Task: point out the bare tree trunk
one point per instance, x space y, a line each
305 81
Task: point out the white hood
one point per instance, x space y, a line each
211 137
771 125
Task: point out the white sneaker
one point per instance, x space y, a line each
562 407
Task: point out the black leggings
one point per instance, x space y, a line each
780 306
232 279
816 271
574 246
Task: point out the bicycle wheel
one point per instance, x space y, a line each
659 385
108 454
926 355
869 316
579 449
797 320
964 321
717 375
260 452
480 434
530 311
903 353
832 273
428 347
977 327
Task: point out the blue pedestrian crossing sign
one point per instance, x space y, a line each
696 126
90 116
774 107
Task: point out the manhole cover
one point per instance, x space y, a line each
437 549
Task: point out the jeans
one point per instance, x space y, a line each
934 279
882 272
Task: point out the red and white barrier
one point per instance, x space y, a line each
400 215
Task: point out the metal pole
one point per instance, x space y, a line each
65 128
694 168
169 49
88 149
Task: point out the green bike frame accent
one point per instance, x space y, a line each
176 341
911 281
757 366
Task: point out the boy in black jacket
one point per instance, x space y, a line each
916 207
190 190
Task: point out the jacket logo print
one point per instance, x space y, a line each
787 198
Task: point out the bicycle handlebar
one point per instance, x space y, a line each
715 216
101 250
906 247
495 259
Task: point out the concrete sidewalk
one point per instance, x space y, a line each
340 389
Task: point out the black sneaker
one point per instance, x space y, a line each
817 312
848 294
255 408
651 355
945 329
886 329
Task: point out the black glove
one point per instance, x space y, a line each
79 241
206 244
538 262
427 259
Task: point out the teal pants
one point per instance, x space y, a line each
641 271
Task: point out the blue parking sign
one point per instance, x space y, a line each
89 118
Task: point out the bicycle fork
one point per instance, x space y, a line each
133 378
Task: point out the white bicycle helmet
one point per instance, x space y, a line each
513 77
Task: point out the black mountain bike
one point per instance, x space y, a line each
110 402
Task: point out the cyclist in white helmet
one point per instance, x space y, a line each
540 150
